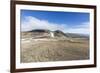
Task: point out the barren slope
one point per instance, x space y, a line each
48 49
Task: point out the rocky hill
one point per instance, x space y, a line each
43 33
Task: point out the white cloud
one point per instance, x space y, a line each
83 28
31 23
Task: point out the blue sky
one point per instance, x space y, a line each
72 22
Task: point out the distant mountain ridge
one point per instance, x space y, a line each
77 35
44 33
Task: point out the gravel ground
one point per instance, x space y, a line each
44 50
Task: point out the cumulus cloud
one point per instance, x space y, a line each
31 23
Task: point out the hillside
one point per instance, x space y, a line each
41 33
44 45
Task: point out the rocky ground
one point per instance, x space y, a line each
54 49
